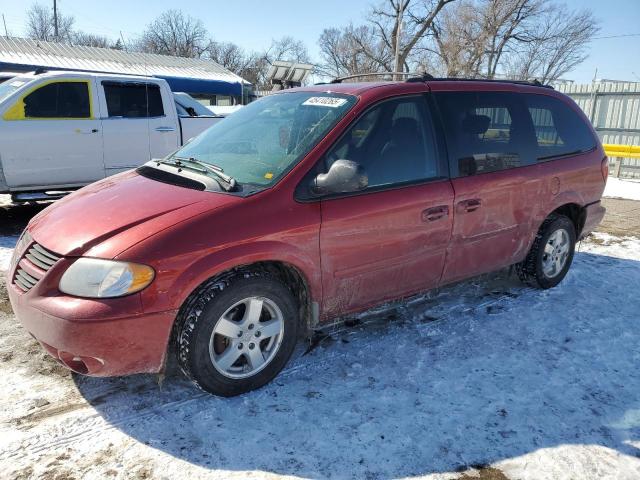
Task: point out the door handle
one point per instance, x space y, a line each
435 213
165 129
468 206
86 132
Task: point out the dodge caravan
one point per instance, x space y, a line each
303 207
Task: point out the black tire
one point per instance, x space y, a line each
203 310
530 270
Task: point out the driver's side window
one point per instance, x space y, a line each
393 142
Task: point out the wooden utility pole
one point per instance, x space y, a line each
55 20
396 62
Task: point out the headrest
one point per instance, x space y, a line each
475 124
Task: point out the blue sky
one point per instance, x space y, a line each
253 23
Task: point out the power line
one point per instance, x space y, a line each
618 36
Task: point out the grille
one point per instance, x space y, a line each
39 257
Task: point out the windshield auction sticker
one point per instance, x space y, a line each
333 102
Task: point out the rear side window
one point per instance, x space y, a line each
133 100
393 141
59 100
486 131
559 130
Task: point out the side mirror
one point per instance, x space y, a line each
344 176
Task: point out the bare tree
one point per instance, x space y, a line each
288 49
459 43
227 54
559 43
401 25
40 24
236 59
342 52
174 33
90 40
518 38
507 22
253 66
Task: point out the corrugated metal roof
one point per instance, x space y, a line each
21 51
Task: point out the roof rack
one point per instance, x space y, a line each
427 77
373 74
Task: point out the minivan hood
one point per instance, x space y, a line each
95 213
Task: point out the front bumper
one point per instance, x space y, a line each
594 215
101 345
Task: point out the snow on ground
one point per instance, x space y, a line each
537 384
618 188
6 242
6 249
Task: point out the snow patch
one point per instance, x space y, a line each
618 188
538 384
7 244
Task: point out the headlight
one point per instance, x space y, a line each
96 278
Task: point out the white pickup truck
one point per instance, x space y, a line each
62 130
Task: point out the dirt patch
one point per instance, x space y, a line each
484 473
5 306
622 217
56 474
52 411
24 474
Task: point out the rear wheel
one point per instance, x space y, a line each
551 254
237 338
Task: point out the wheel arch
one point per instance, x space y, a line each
297 271
576 213
568 204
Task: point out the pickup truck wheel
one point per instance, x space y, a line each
238 334
551 255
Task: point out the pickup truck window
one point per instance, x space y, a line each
59 100
7 88
133 100
262 141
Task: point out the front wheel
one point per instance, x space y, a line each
551 254
237 338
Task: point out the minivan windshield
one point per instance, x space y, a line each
261 142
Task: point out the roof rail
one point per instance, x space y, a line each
534 82
373 74
423 77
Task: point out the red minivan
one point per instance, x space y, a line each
302 207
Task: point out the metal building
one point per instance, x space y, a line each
204 80
614 110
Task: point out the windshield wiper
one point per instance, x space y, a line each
226 182
218 171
